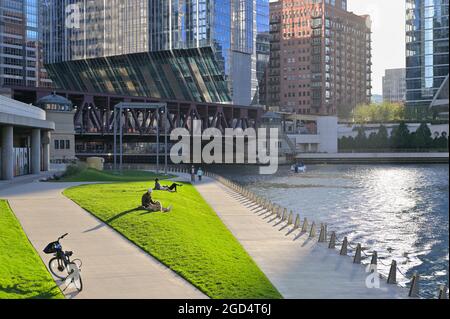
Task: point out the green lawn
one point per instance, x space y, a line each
92 175
191 240
22 272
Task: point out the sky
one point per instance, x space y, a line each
388 38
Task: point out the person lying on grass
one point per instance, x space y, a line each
172 188
153 206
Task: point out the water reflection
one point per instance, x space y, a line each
399 211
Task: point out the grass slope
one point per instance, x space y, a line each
191 240
22 273
92 175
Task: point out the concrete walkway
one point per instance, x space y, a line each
113 267
299 268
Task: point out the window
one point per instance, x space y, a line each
61 144
56 145
67 144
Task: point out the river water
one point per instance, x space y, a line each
401 211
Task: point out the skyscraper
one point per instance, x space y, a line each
262 51
320 57
394 85
195 50
20 46
427 52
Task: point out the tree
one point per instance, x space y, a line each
385 112
372 142
422 138
382 138
400 138
361 138
441 142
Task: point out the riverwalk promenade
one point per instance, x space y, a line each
298 266
113 267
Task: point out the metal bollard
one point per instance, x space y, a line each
312 232
275 210
442 292
291 218
392 278
279 212
357 258
323 234
305 225
374 260
297 222
332 244
344 248
414 289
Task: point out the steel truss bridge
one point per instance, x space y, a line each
95 113
94 119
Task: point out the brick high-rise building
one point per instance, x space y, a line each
320 57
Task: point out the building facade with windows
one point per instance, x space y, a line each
320 59
24 139
21 60
394 85
202 50
427 52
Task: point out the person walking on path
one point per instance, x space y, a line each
200 174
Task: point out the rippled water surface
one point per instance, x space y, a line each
399 211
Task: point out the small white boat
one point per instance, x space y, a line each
298 168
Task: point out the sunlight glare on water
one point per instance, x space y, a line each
399 211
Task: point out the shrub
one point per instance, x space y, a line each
74 169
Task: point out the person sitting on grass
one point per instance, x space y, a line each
154 206
172 188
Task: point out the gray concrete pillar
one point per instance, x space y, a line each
46 151
7 153
36 151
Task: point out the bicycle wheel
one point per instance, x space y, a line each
57 268
76 279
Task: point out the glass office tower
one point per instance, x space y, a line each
199 50
427 54
21 63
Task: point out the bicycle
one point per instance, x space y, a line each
62 267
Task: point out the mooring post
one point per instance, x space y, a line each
291 218
297 222
392 278
322 233
414 289
357 258
442 292
305 225
344 248
312 232
332 244
374 260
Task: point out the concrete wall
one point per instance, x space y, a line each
328 132
325 141
12 107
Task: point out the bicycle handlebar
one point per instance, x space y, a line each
62 237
